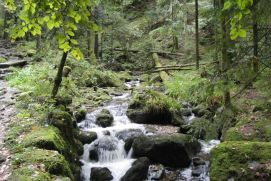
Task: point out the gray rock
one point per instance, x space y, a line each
138 171
170 150
100 174
104 119
87 137
126 134
93 155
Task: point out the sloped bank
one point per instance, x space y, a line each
48 152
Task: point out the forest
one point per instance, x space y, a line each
135 90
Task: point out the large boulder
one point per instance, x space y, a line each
100 174
104 119
138 171
150 115
173 150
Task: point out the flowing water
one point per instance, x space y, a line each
110 143
110 147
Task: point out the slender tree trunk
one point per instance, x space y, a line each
58 78
225 63
197 32
101 47
5 34
173 17
255 60
96 45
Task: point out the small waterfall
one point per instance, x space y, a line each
206 147
108 147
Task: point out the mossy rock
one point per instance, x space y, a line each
202 129
241 160
104 120
46 138
61 119
224 120
30 174
53 162
87 137
103 79
250 130
80 114
64 100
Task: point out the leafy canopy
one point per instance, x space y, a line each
62 17
240 9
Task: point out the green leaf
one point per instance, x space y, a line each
242 33
227 5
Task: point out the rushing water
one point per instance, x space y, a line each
110 147
111 152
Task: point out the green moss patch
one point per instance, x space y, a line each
241 160
30 174
252 130
46 138
44 160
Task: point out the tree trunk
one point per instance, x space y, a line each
5 34
255 61
173 17
197 32
58 78
96 45
225 56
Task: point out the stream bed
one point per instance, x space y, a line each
108 150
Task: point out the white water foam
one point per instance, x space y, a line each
110 149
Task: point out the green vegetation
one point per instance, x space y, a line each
208 59
241 161
51 161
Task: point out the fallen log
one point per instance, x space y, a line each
181 66
19 63
154 51
164 76
169 69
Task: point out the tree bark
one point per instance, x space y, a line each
255 61
58 78
96 45
225 62
5 34
197 32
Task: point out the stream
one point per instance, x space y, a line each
109 144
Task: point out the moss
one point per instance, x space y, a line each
53 162
80 114
234 159
103 79
64 100
2 60
250 130
203 129
47 138
61 119
30 174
